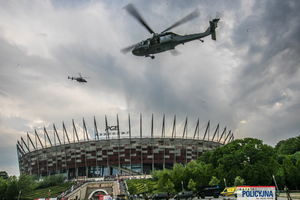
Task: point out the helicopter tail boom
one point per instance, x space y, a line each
213 25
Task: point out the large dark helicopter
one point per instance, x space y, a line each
165 41
79 79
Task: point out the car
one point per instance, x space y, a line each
184 195
213 190
229 191
163 195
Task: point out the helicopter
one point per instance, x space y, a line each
165 41
78 79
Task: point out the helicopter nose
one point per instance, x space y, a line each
135 52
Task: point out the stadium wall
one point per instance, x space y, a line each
118 152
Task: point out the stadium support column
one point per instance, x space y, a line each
164 137
19 155
174 136
129 124
85 133
107 145
55 150
184 141
66 163
217 129
197 131
227 137
222 136
206 132
141 136
75 153
46 134
152 143
36 136
118 126
96 134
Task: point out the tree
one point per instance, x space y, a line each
209 172
3 187
204 157
169 187
191 185
289 146
291 173
186 176
176 178
163 179
12 188
25 183
239 181
198 177
192 165
280 178
214 181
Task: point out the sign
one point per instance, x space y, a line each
255 192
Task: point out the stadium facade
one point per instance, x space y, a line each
114 151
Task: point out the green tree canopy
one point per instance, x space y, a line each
239 181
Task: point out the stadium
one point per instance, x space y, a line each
113 151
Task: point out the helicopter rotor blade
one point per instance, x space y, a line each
127 49
79 75
209 18
133 11
219 15
192 15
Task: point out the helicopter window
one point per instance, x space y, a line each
165 38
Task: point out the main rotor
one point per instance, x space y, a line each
134 12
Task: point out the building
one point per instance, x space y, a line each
115 151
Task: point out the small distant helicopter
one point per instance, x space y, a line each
79 79
165 41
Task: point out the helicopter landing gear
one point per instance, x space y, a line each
151 56
201 40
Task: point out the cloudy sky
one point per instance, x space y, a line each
247 80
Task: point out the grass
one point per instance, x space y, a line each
44 192
139 184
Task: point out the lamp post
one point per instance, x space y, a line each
49 193
276 184
225 182
182 185
19 195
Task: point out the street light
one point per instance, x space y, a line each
49 193
225 182
19 195
276 184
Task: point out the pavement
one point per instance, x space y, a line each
293 195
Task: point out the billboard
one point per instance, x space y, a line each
255 192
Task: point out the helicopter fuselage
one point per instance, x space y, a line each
164 42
